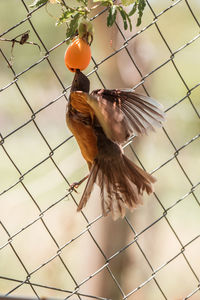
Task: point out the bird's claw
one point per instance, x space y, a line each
75 185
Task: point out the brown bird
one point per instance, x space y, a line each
101 122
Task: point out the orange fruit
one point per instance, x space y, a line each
77 55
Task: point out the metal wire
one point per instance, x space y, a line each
69 294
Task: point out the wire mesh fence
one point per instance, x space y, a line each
49 250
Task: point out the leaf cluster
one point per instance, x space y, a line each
73 16
138 5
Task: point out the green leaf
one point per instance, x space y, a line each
73 26
127 2
65 16
129 21
111 15
133 10
141 7
36 3
124 16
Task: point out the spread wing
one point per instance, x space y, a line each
122 113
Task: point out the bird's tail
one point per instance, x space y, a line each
121 183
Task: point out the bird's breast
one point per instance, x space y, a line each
78 101
79 119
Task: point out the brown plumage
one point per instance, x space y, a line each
101 122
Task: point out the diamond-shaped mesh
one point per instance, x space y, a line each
46 248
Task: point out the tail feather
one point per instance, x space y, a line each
121 183
89 187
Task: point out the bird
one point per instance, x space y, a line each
101 122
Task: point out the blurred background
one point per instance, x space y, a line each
38 159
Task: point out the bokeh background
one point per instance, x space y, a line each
153 254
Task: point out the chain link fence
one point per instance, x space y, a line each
49 250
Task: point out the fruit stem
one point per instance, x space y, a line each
86 31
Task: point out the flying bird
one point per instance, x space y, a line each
102 121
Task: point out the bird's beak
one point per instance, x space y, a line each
77 73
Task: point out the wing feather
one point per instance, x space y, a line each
124 113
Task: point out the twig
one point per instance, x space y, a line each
23 40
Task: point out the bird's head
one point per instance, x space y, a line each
80 82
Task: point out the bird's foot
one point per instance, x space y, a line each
75 185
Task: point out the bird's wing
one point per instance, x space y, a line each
123 113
